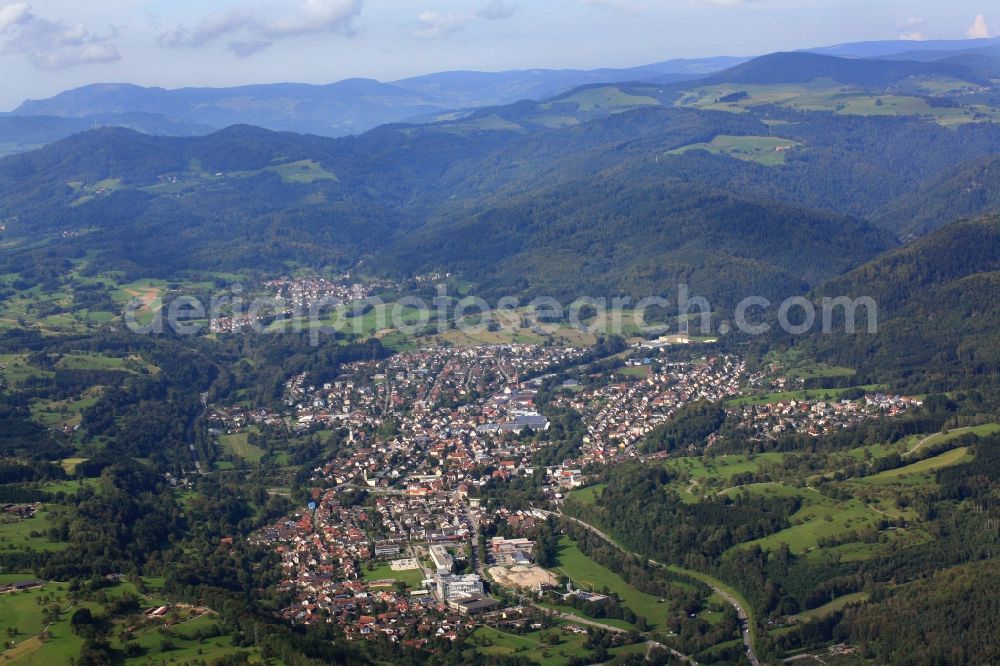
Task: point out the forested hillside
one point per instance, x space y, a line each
937 310
627 203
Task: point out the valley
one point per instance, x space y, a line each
688 363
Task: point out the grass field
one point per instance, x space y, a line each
69 486
16 534
820 370
944 437
587 574
186 645
819 516
147 296
834 606
23 612
412 577
15 369
184 642
711 475
587 495
238 445
548 647
62 413
607 97
766 150
535 646
920 473
303 172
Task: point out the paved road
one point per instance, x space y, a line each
740 611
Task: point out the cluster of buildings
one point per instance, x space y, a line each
815 417
620 412
301 293
511 551
334 559
425 428
296 296
430 420
236 418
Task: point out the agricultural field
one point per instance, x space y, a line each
766 150
30 534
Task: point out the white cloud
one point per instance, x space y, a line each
434 25
979 29
253 28
49 44
497 10
14 14
625 6
911 29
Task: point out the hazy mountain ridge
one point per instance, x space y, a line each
353 106
350 106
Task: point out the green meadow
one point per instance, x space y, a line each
766 150
586 574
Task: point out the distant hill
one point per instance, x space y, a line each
342 108
346 107
459 90
880 49
608 188
610 235
353 106
805 67
515 210
22 133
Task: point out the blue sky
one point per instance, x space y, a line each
50 45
